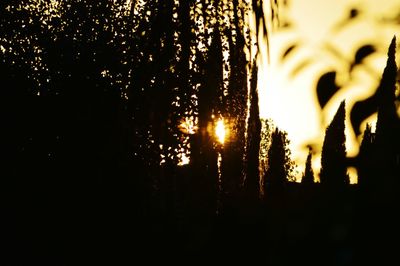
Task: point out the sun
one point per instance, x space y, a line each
220 131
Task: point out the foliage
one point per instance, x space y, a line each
267 127
388 119
308 176
379 150
94 95
333 157
252 160
280 166
366 166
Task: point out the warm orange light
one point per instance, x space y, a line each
183 159
188 125
220 131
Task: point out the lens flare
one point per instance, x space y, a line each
220 131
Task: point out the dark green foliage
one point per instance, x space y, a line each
333 157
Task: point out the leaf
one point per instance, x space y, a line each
363 52
353 13
326 88
362 110
288 51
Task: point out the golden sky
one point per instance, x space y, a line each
289 97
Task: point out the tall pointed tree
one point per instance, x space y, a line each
279 163
388 119
308 177
235 95
388 123
366 170
380 172
333 158
252 173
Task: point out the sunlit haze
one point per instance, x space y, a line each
287 87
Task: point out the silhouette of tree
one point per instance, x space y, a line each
235 96
388 122
333 157
367 171
378 175
209 77
94 95
252 174
385 156
277 192
279 167
308 176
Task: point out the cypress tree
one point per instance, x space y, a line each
366 172
279 163
388 123
308 177
333 158
387 112
252 173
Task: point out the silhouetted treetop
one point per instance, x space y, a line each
366 159
387 111
333 157
308 176
279 164
252 160
383 98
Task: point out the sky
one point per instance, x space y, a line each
288 95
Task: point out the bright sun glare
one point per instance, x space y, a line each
220 131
